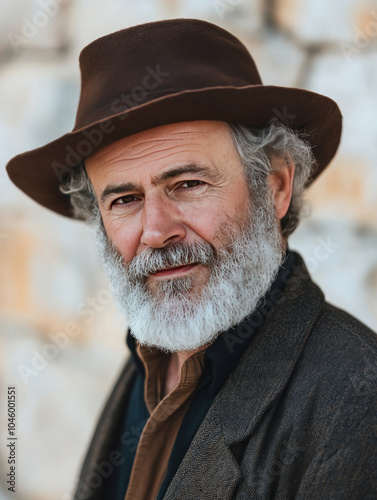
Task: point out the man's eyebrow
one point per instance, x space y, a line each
191 168
116 189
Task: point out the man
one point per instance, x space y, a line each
243 382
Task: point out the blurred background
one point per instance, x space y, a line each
62 340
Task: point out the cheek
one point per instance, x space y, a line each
125 237
208 224
210 220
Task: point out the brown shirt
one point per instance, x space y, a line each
166 415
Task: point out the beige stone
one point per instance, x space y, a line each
279 61
41 102
34 24
349 185
341 257
92 19
324 21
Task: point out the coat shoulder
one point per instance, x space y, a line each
345 333
341 358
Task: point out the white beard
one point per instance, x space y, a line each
174 317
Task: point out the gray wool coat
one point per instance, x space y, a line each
296 419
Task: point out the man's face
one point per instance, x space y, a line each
187 251
180 183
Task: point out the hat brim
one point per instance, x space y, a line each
39 172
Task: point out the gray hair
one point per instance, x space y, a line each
82 196
257 149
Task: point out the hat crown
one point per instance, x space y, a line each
132 66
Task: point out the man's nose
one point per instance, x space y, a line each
161 223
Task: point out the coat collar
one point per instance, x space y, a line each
260 377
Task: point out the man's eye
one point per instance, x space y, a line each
191 184
124 200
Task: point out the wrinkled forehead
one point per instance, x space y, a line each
202 142
198 132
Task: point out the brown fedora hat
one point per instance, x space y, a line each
167 72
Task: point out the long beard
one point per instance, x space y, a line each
180 314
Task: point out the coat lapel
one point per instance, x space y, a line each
209 470
259 378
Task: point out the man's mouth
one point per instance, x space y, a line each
174 271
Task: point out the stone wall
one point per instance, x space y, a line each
62 341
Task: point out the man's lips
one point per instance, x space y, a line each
173 271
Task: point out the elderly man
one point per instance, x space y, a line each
243 382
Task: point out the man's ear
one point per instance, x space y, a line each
281 181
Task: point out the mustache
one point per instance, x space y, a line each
153 260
